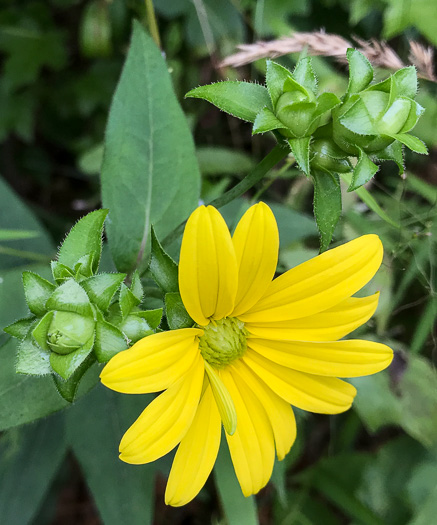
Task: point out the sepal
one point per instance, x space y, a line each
360 71
20 328
70 297
36 290
162 267
301 152
66 365
102 287
109 341
364 170
177 315
68 388
327 205
31 359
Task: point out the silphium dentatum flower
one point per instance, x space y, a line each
80 318
258 345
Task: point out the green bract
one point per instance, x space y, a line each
78 320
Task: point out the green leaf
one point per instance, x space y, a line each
416 111
65 365
392 152
68 388
36 290
94 429
364 170
357 119
325 102
327 205
177 316
301 152
136 287
70 297
41 330
412 142
216 160
102 287
15 214
13 235
127 300
61 272
141 324
238 510
425 325
20 328
240 99
32 359
304 74
85 238
109 341
360 71
145 124
266 121
276 76
24 398
30 458
162 267
403 83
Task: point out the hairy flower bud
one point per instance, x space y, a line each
69 331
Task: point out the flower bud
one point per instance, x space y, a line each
69 331
327 156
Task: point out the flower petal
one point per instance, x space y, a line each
252 445
153 363
319 283
256 243
330 325
196 454
351 358
279 412
208 274
323 395
223 399
165 421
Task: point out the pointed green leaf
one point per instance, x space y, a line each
358 119
70 297
32 359
141 324
266 121
61 272
84 267
304 74
177 316
326 102
66 365
145 123
127 300
240 99
68 388
41 330
416 110
109 341
101 288
20 328
412 142
360 71
36 290
301 152
327 205
364 170
403 83
136 287
298 117
276 76
84 238
162 267
392 152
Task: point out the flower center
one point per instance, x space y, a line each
223 341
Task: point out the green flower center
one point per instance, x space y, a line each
223 341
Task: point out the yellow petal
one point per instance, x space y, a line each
323 395
223 399
319 283
330 325
256 243
279 412
196 454
154 363
165 421
252 446
351 358
208 274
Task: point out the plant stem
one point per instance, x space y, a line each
278 153
33 256
151 20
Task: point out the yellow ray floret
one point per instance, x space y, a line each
258 347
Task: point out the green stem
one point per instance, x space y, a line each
277 154
151 20
33 256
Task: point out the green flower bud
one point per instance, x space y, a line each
327 156
69 331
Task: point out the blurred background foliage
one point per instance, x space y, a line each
61 59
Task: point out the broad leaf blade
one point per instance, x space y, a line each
150 173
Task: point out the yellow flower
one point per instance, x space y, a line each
259 345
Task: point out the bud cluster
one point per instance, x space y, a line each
84 316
